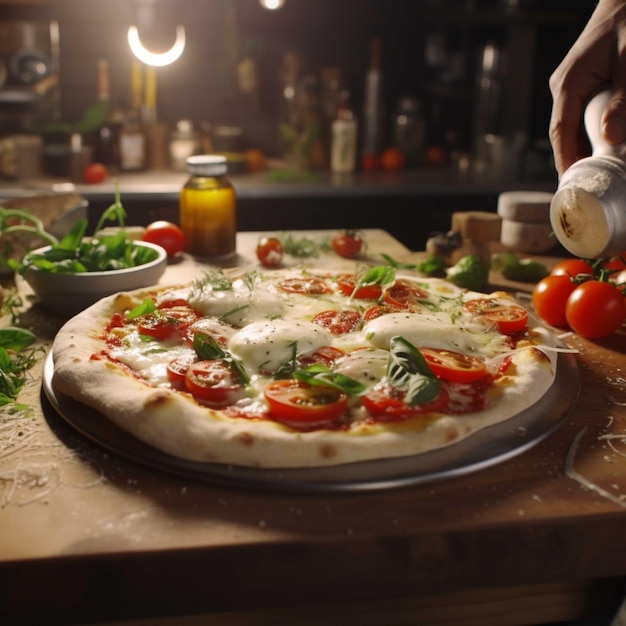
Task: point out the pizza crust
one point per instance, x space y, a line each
174 423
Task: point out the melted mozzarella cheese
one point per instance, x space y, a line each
149 358
239 305
367 366
432 330
268 344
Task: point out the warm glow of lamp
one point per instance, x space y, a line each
157 59
272 5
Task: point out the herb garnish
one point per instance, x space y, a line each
17 356
409 371
75 254
321 375
207 349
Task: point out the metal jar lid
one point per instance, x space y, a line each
206 165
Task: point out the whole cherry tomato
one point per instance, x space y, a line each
550 297
347 243
95 173
572 267
595 309
167 235
269 251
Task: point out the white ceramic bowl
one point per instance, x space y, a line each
67 294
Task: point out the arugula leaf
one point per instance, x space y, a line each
14 338
207 349
409 371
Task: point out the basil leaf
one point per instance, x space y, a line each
409 371
13 338
147 306
208 349
321 375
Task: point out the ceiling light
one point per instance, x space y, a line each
272 5
156 59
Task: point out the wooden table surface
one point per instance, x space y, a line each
88 536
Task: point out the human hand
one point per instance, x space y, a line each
597 59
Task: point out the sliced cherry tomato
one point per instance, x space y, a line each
454 366
177 368
95 173
550 297
386 401
572 267
167 235
338 322
294 402
378 310
347 243
510 318
347 284
270 251
311 286
327 355
164 323
595 309
403 294
214 383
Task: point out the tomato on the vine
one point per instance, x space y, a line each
347 243
572 267
550 297
270 251
595 309
167 235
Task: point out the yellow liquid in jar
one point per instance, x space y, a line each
208 217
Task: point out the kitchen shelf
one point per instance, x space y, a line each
29 94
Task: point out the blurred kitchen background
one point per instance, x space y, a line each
459 87
469 68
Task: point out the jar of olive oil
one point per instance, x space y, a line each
208 209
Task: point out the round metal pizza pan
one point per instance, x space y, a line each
480 450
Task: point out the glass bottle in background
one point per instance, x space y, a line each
105 142
132 143
408 130
373 106
344 137
208 209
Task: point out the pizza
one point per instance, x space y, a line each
296 368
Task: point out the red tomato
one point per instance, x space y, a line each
294 402
387 401
454 366
550 297
95 173
347 243
509 318
338 322
572 267
327 355
164 323
214 383
370 162
177 368
270 251
348 287
595 309
404 293
312 286
167 235
377 310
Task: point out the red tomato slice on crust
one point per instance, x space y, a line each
454 366
509 318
